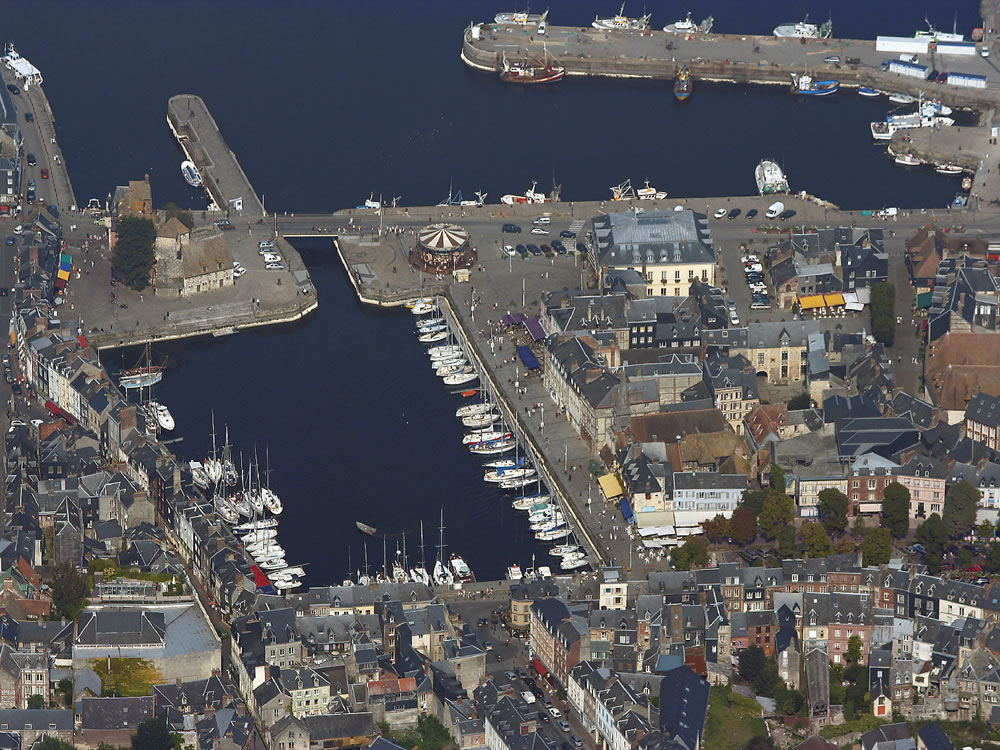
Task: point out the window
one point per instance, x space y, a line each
690 274
677 275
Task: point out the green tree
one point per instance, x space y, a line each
760 742
883 310
960 509
816 539
963 558
896 509
777 478
694 552
717 529
789 701
986 531
789 546
801 401
833 510
743 526
753 499
854 649
752 661
877 546
992 561
933 535
152 734
69 590
36 701
777 513
133 256
54 743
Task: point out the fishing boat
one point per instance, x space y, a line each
191 174
424 308
489 436
514 573
649 193
948 169
623 192
470 410
499 475
479 420
530 196
518 18
907 160
162 414
369 530
198 474
461 569
493 448
683 84
621 22
460 379
939 36
522 71
432 337
770 178
684 26
804 85
803 30
871 93
966 183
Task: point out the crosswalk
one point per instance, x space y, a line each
577 225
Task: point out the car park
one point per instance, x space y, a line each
785 215
511 228
734 213
539 230
720 213
752 212
566 234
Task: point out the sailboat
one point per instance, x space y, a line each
213 467
420 574
271 501
442 572
228 468
143 375
198 474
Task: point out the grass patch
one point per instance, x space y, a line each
129 677
866 722
733 719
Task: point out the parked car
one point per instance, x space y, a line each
734 319
721 213
752 212
534 249
274 266
932 76
559 247
13 89
508 250
272 258
785 215
32 161
239 272
10 242
577 742
539 230
943 78
566 234
832 59
563 726
224 224
511 228
29 116
734 213
546 250
555 712
523 252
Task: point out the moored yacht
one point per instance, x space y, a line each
621 22
191 174
461 569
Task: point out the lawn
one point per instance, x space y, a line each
732 720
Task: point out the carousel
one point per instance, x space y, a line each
442 249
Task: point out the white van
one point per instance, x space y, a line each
775 210
541 220
529 698
542 28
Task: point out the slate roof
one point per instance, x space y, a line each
683 705
653 237
115 713
984 409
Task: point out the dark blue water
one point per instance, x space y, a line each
327 102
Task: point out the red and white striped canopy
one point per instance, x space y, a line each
443 238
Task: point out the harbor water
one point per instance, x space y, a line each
326 103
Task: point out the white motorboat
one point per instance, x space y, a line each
478 420
498 475
198 474
460 379
564 549
460 366
551 535
515 483
770 178
574 564
621 22
503 463
907 160
286 584
528 503
424 308
684 26
480 438
433 337
271 501
272 563
948 169
902 98
191 174
869 92
493 449
514 573
470 410
649 193
460 568
162 414
260 523
419 301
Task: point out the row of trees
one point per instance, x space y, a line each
883 307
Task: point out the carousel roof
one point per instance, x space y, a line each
443 238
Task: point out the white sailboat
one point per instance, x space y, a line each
471 410
483 419
442 572
478 438
499 475
460 379
494 448
419 574
198 474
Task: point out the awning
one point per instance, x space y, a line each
869 507
535 329
811 302
834 300
528 357
63 274
924 300
539 667
610 486
627 510
854 306
59 412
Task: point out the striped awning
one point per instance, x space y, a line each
442 238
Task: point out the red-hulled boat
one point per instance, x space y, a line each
521 71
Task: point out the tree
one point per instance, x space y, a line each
694 552
777 478
833 510
717 529
36 701
789 546
854 649
992 562
133 254
743 526
933 535
777 513
801 401
986 531
816 539
69 590
789 702
54 743
760 742
752 661
883 308
753 499
960 509
896 509
152 734
877 546
845 546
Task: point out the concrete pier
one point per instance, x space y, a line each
657 55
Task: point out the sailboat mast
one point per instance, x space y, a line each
384 556
213 434
441 537
422 565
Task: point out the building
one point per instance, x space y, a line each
807 489
558 640
699 496
733 387
670 248
207 262
134 199
580 382
10 143
982 420
684 706
777 350
865 262
324 732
